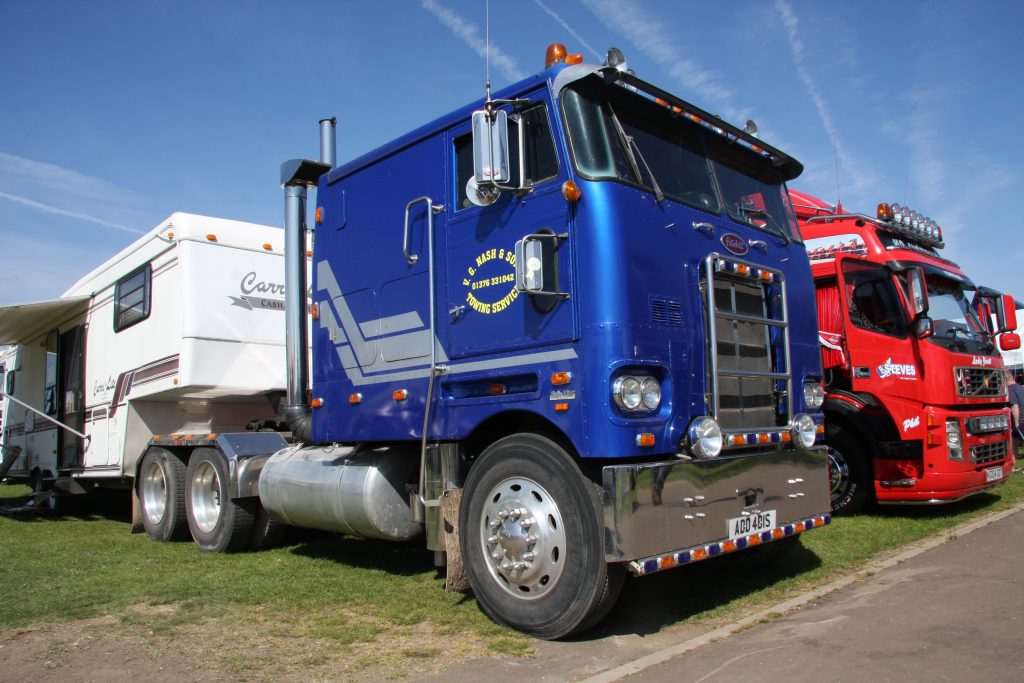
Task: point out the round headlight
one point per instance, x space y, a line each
650 390
804 431
705 437
814 395
627 392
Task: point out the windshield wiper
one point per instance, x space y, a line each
632 153
769 219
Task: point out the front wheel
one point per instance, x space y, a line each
218 523
849 475
532 539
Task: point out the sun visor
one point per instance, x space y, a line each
21 323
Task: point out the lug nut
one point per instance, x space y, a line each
492 540
494 524
531 539
496 556
529 557
503 515
527 523
520 566
506 566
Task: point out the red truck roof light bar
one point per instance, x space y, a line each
900 220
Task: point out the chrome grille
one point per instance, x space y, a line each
977 382
750 349
988 452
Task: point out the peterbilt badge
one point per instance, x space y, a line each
735 244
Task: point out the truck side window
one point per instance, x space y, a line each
873 302
132 298
540 162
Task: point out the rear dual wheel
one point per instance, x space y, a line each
532 539
218 523
161 487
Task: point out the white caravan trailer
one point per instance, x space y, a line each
145 371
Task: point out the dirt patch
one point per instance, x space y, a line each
171 643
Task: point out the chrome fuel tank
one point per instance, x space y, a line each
360 491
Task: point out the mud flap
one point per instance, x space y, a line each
137 526
456 579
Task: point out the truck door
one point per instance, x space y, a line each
485 312
70 396
878 329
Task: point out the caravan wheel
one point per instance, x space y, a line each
218 523
162 495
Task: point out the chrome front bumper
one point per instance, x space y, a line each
652 509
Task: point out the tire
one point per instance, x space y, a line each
267 532
532 539
218 523
849 474
161 488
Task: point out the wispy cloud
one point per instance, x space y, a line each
38 206
59 191
469 34
655 41
862 181
569 29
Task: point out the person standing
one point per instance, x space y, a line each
1016 395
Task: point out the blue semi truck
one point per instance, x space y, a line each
566 333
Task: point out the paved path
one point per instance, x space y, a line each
952 613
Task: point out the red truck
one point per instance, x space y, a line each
915 408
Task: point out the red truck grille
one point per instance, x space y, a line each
989 452
978 382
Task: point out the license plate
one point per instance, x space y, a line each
753 523
993 474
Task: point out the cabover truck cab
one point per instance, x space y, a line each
916 405
566 332
138 371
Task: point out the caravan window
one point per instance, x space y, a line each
131 298
50 374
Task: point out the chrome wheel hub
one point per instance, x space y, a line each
522 535
154 492
205 492
838 473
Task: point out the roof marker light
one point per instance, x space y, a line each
555 54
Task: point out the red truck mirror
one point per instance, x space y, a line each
1009 341
918 291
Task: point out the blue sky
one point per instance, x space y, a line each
113 115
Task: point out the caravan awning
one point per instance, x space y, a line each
21 323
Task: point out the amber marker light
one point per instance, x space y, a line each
314 311
316 402
561 407
555 54
786 437
211 237
498 389
170 235
884 212
738 440
399 394
574 59
571 191
560 378
268 247
319 215
309 253
645 440
355 399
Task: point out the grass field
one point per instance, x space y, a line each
368 603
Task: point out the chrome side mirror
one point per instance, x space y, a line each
490 148
923 327
918 291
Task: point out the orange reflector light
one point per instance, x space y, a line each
930 421
560 378
498 389
763 438
728 546
316 402
319 215
170 235
820 429
754 539
742 269
645 439
766 276
211 237
355 399
268 247
399 394
561 407
885 212
699 554
786 437
571 191
314 311
799 526
309 253
555 54
777 534
931 439
175 381
574 59
667 562
738 439
156 437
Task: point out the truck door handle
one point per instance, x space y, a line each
434 209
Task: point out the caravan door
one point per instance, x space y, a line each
70 397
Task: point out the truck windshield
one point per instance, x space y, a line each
618 135
951 309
